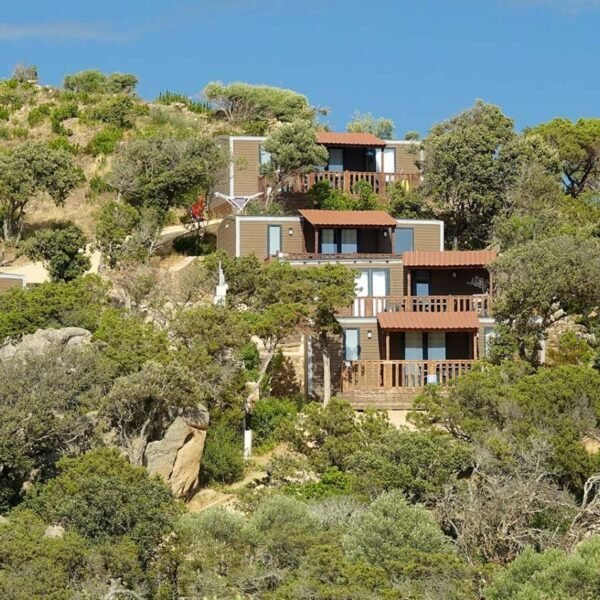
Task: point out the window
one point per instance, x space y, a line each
264 157
405 240
336 159
274 239
421 283
328 241
351 344
372 282
349 241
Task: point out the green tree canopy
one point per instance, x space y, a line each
578 148
164 171
30 169
93 81
366 123
243 102
62 249
470 163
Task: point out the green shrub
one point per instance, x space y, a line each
223 457
21 133
4 113
99 185
268 416
333 482
61 249
38 114
195 245
103 498
78 303
61 113
62 143
105 141
192 105
119 111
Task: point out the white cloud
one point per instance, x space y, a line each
62 31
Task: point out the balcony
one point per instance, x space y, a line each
344 181
371 306
400 375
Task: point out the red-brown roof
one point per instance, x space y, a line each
348 218
330 138
428 321
448 258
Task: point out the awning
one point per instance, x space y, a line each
348 218
448 258
428 321
330 138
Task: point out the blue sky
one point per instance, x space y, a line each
417 61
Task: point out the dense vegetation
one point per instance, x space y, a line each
493 492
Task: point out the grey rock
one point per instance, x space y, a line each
54 531
176 458
43 339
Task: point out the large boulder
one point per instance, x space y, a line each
178 455
44 339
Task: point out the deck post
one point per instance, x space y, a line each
393 239
475 345
387 345
316 240
408 283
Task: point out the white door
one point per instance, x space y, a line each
379 290
389 160
379 161
361 290
351 344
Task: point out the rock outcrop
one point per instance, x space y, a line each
44 339
177 456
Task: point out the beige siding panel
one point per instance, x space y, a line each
253 236
405 161
226 236
246 167
219 208
222 180
427 237
7 283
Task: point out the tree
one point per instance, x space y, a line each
28 170
366 123
578 148
96 82
25 73
469 164
242 103
44 399
116 221
332 288
550 574
103 498
293 151
141 405
61 249
77 303
162 172
390 533
540 278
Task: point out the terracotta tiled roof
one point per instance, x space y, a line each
330 138
348 218
426 321
448 258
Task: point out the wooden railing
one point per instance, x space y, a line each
371 306
401 374
344 181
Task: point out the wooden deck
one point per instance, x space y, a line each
371 306
344 181
400 375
